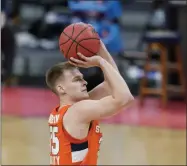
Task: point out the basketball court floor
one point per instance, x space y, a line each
148 135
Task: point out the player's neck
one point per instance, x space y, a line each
64 102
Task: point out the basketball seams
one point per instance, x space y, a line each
64 42
78 43
74 41
67 36
71 43
85 47
89 39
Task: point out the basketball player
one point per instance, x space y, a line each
74 128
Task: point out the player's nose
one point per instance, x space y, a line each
85 83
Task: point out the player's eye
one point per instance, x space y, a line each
78 79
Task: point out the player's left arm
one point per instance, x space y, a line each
103 90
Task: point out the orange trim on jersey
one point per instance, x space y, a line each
69 136
61 141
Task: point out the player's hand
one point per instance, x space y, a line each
103 49
85 62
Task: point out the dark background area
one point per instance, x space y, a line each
30 64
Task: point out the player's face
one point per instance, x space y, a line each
75 85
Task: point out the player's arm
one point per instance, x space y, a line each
106 55
120 97
103 89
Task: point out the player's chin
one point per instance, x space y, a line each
85 95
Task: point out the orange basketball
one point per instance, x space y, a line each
79 37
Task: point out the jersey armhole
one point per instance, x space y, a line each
70 137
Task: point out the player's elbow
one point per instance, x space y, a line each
129 100
125 100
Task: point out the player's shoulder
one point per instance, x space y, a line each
82 106
59 110
84 103
57 113
79 107
83 110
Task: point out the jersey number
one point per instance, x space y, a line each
54 142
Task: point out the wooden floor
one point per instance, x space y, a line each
25 142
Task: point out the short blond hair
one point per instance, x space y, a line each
55 72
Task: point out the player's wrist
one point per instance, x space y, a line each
103 51
101 62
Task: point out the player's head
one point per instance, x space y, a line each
66 80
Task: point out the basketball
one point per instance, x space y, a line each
79 37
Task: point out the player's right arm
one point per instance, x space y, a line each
121 96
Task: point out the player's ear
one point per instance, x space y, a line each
60 89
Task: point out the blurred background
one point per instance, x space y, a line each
146 38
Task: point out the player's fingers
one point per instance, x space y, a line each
77 65
73 63
82 56
77 61
83 66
